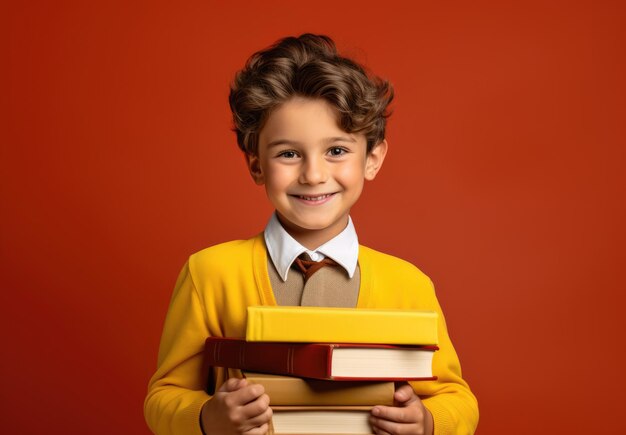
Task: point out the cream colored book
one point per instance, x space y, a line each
320 420
293 391
341 325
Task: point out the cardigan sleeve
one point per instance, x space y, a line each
449 399
176 391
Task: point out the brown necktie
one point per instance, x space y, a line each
308 267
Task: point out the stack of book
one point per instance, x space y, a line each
325 368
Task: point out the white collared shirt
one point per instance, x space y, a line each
284 249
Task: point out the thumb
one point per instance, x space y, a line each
232 384
404 395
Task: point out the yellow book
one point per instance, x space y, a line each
341 325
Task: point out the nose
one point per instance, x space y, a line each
314 171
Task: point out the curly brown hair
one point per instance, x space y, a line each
307 66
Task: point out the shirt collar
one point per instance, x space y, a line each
284 249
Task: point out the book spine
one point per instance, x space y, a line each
312 360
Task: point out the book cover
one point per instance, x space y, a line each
341 325
293 391
320 420
323 360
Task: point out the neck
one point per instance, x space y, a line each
312 239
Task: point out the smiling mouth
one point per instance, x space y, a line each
314 198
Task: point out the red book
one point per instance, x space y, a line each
333 361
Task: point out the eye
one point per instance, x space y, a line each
288 154
337 151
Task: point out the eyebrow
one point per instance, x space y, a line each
296 143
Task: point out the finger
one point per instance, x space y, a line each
259 430
232 384
409 414
256 408
405 395
384 427
259 419
379 431
246 394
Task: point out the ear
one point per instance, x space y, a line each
254 166
374 160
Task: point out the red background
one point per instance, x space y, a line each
504 182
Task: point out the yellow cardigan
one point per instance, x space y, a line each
210 299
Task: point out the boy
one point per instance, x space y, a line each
312 126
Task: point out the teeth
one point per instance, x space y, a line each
314 198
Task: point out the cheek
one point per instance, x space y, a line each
351 176
279 179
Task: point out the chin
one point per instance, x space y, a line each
312 226
309 223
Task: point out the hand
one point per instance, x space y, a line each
407 416
237 408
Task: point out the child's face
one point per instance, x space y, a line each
313 171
